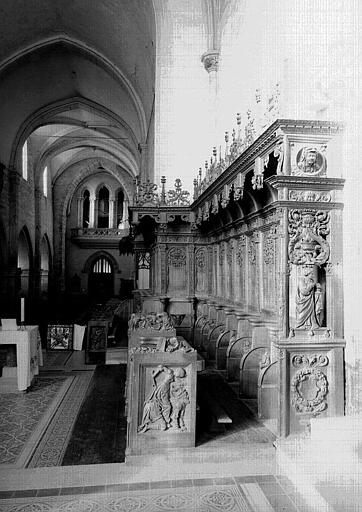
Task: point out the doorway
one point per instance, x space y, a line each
101 279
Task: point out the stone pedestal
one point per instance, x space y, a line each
161 411
310 382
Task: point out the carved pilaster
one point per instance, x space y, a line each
163 265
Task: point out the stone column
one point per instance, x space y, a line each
92 211
125 221
210 60
111 214
80 211
144 172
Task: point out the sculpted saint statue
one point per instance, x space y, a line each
309 300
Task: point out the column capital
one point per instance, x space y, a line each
210 60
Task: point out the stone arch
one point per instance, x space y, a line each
44 116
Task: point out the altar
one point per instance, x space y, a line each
28 355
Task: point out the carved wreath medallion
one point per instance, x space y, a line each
309 385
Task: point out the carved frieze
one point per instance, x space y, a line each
307 230
309 196
153 321
165 407
176 257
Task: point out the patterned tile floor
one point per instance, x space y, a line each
263 493
21 414
35 426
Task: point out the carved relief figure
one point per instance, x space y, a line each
179 399
157 408
309 300
165 407
156 322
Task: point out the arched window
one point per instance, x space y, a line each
45 181
86 209
25 160
44 264
102 266
24 262
103 208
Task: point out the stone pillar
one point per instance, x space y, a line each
163 268
92 211
80 212
210 60
191 270
111 214
144 171
125 221
210 271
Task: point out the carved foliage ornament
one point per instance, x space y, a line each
178 197
240 250
200 258
269 249
307 230
309 385
146 193
176 257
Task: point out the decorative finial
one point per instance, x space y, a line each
238 118
226 137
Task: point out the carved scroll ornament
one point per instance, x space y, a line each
307 230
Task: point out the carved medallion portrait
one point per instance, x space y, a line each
310 162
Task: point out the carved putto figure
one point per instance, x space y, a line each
309 300
165 407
